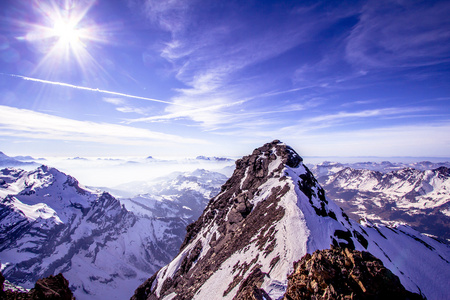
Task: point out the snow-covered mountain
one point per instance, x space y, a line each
268 215
419 198
181 194
327 168
49 223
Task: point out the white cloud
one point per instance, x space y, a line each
26 123
124 107
115 101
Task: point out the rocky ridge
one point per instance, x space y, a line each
270 213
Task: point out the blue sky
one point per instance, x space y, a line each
186 78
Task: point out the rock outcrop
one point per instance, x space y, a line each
49 288
340 273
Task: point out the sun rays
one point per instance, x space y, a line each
63 33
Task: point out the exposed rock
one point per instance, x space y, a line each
341 273
50 288
2 281
250 289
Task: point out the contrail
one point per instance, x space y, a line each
95 90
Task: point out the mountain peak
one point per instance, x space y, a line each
286 153
269 214
254 222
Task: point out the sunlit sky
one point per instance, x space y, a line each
186 78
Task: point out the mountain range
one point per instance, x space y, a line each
49 223
256 225
417 196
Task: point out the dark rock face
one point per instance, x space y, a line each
250 288
340 273
51 288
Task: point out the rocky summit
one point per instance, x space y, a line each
268 215
341 273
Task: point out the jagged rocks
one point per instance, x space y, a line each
50 288
341 273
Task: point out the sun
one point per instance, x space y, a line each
66 32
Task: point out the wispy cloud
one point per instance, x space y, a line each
401 34
321 124
30 124
369 113
217 61
123 106
359 102
94 90
210 57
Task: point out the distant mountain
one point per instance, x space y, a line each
182 195
267 216
214 158
51 224
418 198
27 158
7 161
77 158
327 168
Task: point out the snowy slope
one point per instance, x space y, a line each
419 198
49 223
269 214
